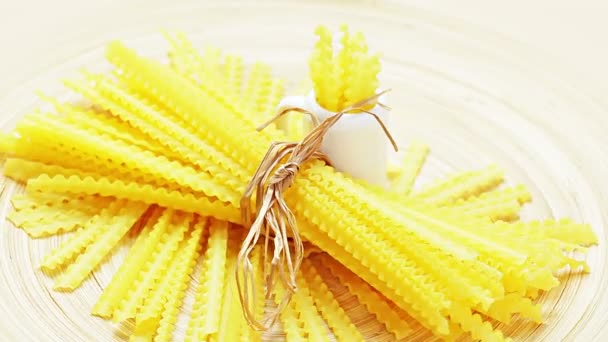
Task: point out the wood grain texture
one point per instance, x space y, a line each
475 98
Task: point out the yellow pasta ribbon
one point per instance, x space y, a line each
61 215
159 312
407 286
518 193
544 251
105 186
428 256
503 309
503 204
293 125
7 144
232 325
503 211
258 266
227 89
336 82
103 123
22 201
205 317
567 231
81 238
37 155
108 237
363 83
141 334
136 159
524 261
574 236
415 155
149 313
35 209
337 320
185 59
461 185
268 107
257 259
204 101
63 224
289 319
44 214
475 325
182 55
32 200
210 64
461 277
368 297
159 126
257 88
188 62
343 67
393 170
489 251
174 302
50 150
147 240
233 73
28 204
21 170
310 319
148 279
321 65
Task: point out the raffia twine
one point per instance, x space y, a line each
272 217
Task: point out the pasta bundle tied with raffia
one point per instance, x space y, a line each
167 146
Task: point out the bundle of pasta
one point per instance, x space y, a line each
183 137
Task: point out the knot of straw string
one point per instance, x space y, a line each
274 219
